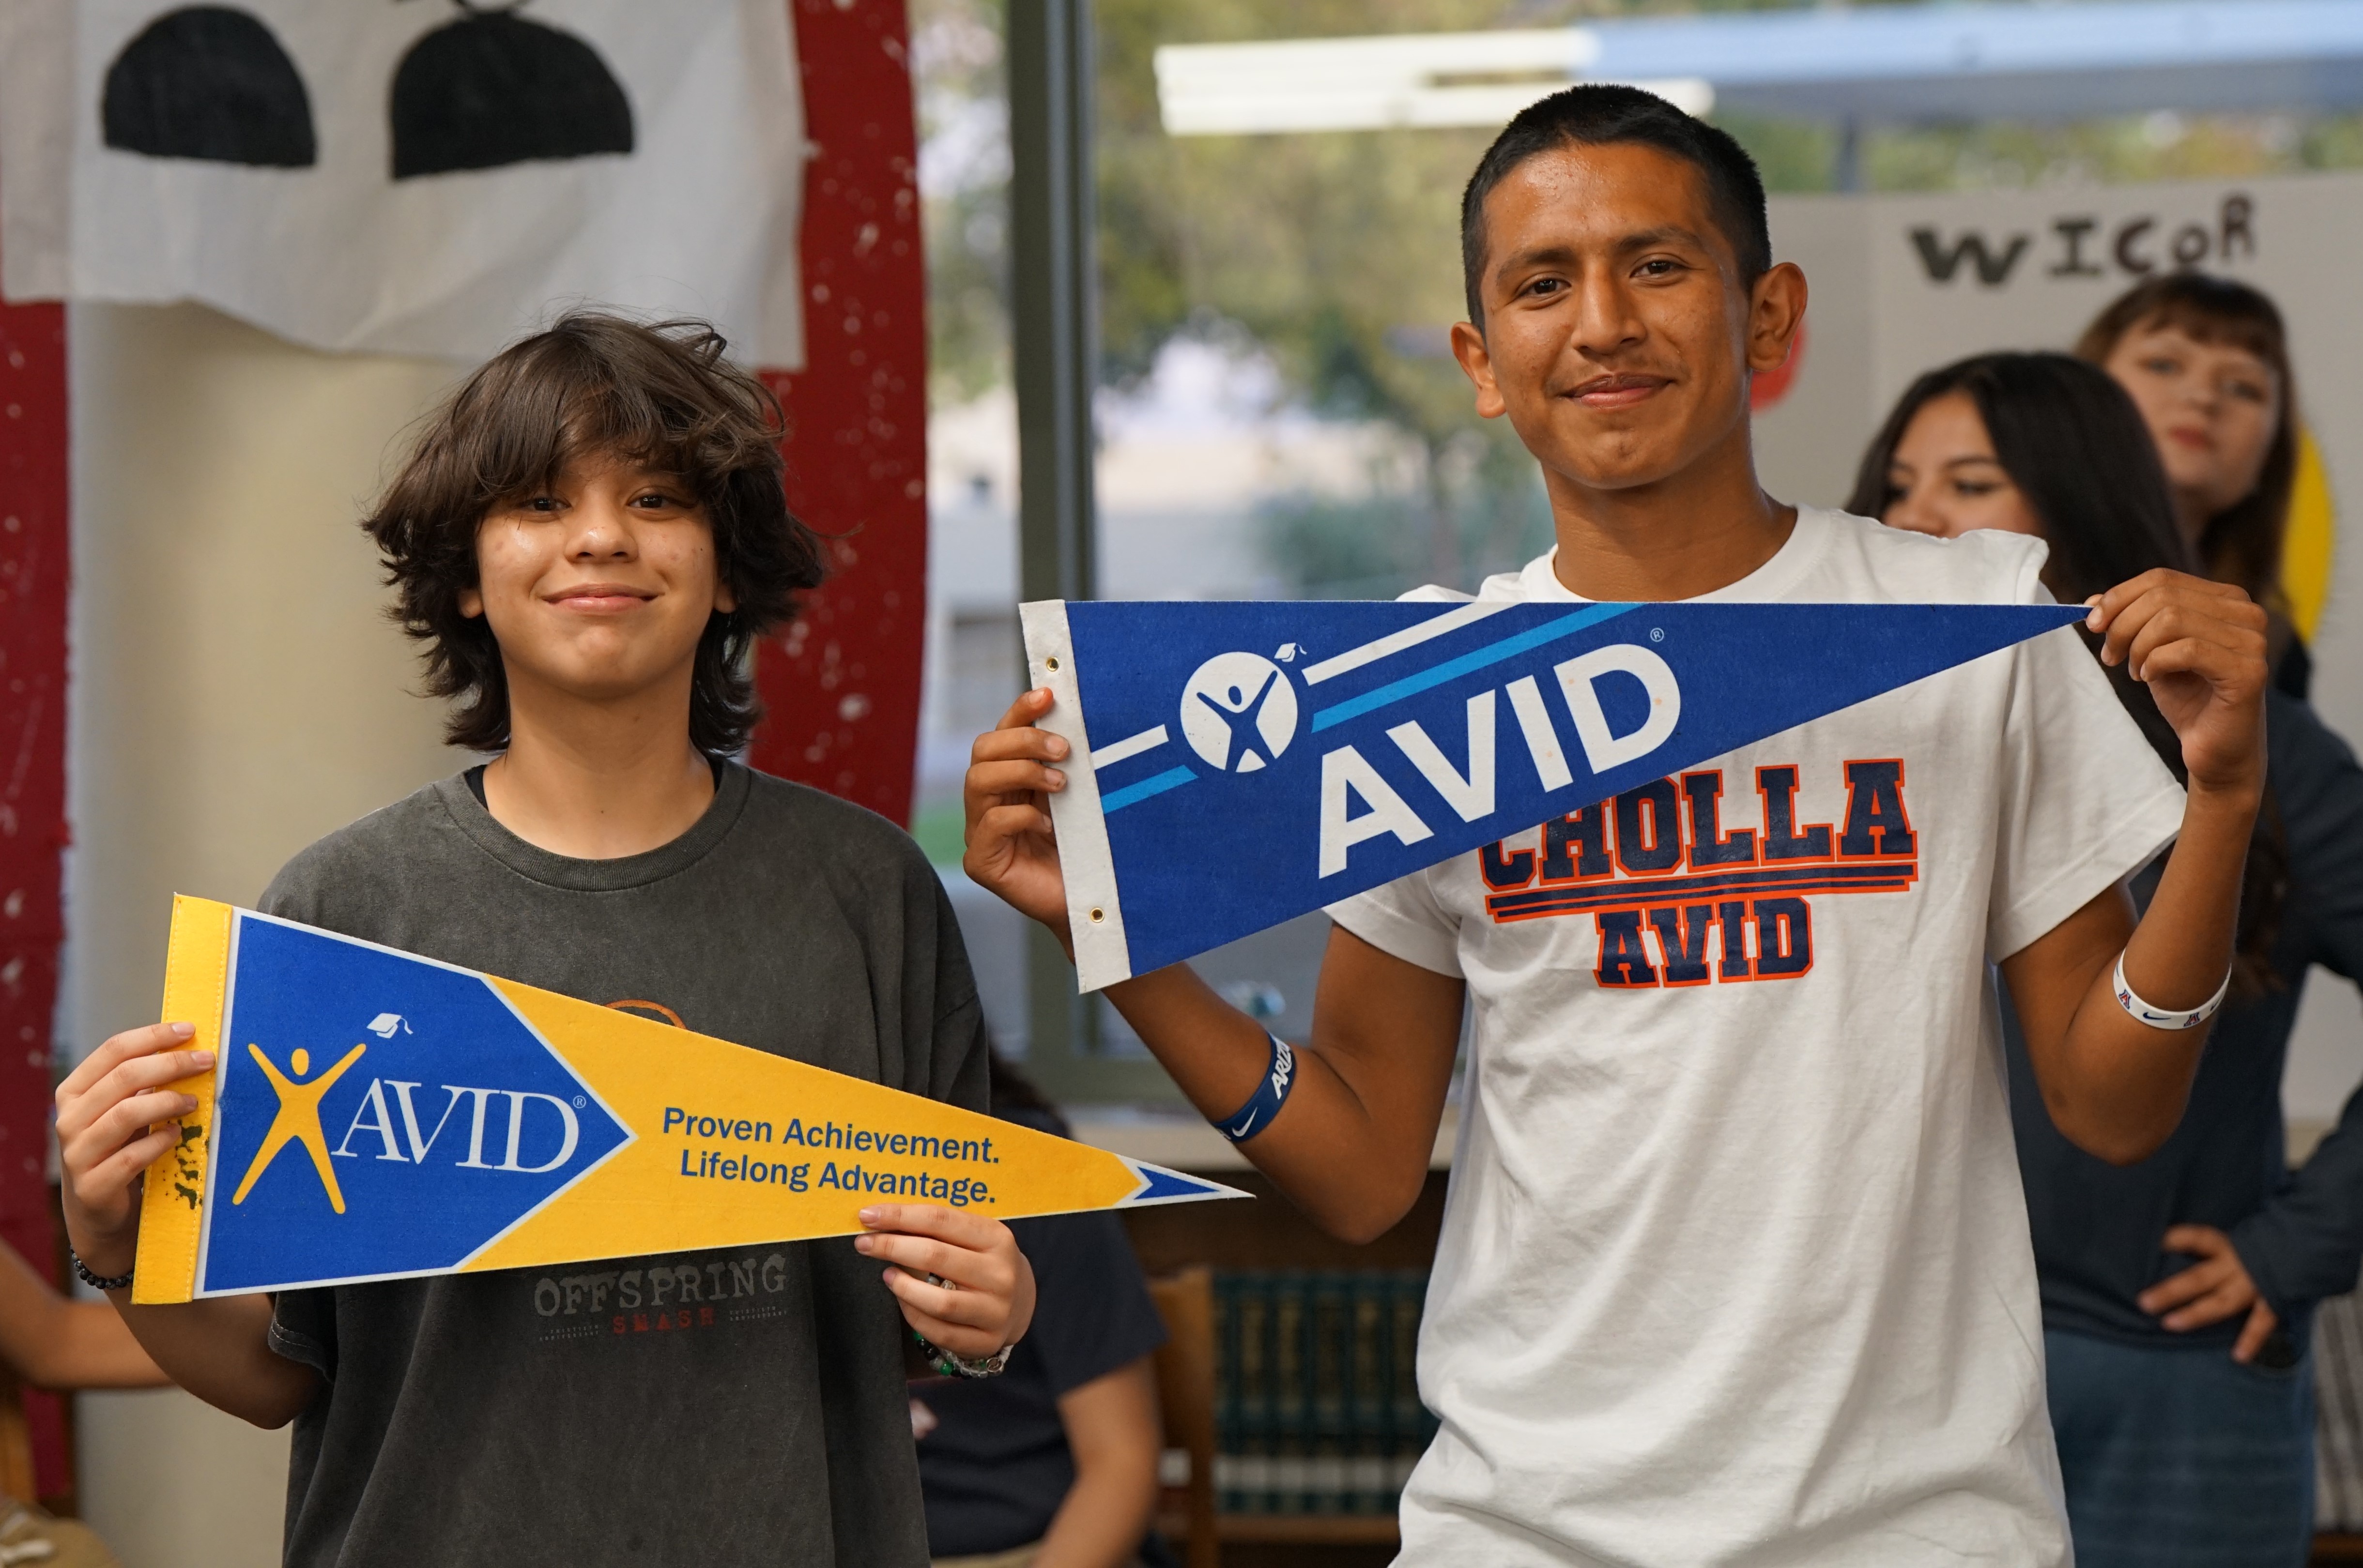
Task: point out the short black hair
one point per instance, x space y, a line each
1601 114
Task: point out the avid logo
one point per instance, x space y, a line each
510 1136
1468 792
509 1125
1239 711
381 1115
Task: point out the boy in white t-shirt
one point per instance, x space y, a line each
1735 1268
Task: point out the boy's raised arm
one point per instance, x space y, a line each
1350 1145
2114 1086
108 1109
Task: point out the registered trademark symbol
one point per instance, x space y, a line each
580 1102
1657 633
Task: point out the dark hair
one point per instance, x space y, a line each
2074 444
2242 543
1602 114
660 394
2075 447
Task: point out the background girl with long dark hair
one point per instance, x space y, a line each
2177 1292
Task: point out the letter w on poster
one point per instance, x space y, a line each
374 1114
1237 764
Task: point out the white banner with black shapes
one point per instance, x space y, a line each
427 177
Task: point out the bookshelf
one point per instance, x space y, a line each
1318 1417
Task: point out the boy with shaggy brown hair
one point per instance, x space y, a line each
586 539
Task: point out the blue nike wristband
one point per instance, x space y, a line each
1269 1096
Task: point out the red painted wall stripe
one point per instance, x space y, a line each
841 686
35 542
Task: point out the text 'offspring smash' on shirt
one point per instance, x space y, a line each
1735 1265
729 1408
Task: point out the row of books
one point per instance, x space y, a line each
1317 1408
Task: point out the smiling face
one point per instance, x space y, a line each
1618 337
1946 479
598 586
2212 408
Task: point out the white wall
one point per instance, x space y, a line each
235 694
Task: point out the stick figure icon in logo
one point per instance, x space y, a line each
1239 711
298 1121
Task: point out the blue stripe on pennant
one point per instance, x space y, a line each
1452 669
1171 778
1159 1183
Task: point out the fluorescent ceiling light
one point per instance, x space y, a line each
2053 60
1372 84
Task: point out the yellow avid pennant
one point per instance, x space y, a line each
374 1115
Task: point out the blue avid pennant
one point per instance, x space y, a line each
1237 764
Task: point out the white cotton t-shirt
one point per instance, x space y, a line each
1734 1266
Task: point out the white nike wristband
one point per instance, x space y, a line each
2165 1018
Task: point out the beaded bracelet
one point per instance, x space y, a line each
946 1365
96 1281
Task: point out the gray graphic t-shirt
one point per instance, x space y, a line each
739 1406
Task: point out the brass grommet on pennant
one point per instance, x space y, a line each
1099 917
1051 663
